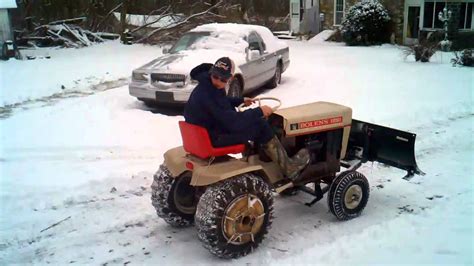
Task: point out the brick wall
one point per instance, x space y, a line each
327 7
396 11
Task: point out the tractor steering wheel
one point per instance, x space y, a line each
259 100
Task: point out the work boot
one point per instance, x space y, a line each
289 166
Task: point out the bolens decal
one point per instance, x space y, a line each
316 123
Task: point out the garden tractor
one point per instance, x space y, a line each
230 198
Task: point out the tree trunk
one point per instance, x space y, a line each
123 18
28 15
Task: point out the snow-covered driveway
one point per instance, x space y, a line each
88 162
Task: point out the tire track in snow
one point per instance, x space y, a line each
9 109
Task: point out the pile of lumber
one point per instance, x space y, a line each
66 33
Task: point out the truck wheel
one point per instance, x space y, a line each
173 198
235 88
233 216
4 55
276 79
348 195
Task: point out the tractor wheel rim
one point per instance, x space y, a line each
184 200
353 197
243 219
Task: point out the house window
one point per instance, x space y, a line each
465 16
338 11
431 12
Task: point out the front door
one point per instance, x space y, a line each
295 15
412 22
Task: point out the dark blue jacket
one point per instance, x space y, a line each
210 108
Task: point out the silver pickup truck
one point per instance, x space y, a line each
260 59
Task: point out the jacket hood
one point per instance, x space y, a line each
201 72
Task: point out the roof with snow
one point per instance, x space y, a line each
8 4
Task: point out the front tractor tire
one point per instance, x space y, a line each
234 215
174 198
348 195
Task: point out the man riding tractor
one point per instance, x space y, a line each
209 107
230 199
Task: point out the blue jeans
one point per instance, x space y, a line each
260 133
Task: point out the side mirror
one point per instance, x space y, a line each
254 54
166 50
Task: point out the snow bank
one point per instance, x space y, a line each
69 70
321 37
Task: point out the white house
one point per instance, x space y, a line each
5 25
422 16
304 16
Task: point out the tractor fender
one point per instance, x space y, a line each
208 172
204 175
175 161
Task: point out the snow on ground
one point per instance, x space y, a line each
321 37
70 71
92 159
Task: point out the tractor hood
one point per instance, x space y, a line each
314 117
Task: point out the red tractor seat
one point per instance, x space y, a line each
197 142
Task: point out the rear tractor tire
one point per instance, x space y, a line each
174 198
348 195
234 215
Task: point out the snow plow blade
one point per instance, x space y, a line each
369 142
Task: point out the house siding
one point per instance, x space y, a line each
327 7
5 30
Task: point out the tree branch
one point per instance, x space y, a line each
186 20
162 15
106 16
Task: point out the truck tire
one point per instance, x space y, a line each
276 79
4 55
235 88
348 195
173 198
233 216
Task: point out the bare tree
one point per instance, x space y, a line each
187 22
123 17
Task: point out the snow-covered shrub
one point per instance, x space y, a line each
422 51
425 49
336 36
464 58
366 23
445 45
